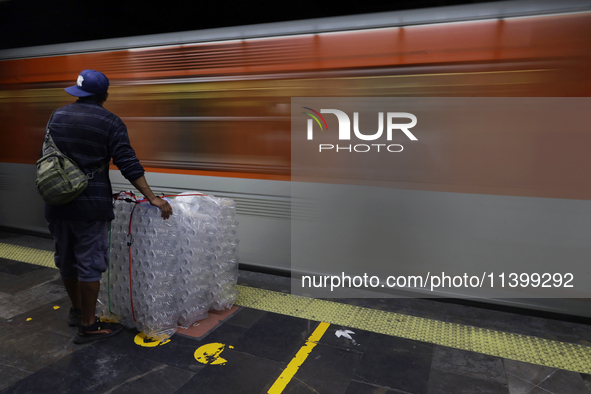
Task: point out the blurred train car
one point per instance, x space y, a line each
210 110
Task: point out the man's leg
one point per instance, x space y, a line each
65 260
92 256
88 295
92 329
73 291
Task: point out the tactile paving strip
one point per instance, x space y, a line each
27 255
567 356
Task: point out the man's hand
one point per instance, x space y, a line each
143 187
163 205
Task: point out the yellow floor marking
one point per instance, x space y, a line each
210 354
142 340
27 255
298 360
555 354
29 318
56 307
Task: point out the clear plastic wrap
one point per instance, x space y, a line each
180 267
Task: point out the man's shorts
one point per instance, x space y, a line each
81 248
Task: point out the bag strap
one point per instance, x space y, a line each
47 127
47 139
91 174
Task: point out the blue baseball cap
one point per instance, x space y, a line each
89 83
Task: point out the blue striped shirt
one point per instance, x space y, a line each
90 135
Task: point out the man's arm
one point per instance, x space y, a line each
142 185
124 158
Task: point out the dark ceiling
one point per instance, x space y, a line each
39 22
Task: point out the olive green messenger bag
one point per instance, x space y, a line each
59 179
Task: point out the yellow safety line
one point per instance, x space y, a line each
555 354
298 360
27 255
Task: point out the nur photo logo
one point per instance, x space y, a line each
392 120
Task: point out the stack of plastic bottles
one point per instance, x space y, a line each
180 267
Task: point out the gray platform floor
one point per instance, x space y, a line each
37 354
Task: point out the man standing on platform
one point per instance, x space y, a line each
90 135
